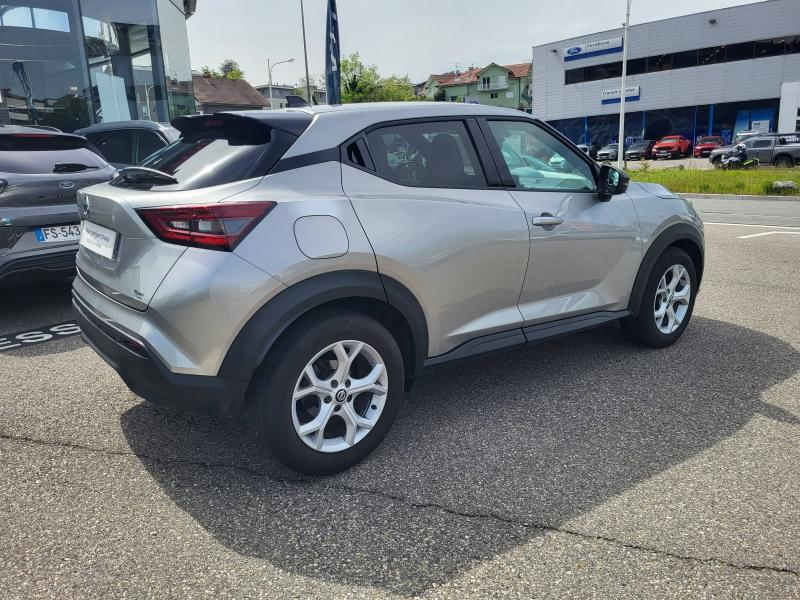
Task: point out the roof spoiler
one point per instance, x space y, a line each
296 101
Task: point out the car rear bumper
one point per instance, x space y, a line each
147 376
42 264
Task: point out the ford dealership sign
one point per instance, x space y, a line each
593 49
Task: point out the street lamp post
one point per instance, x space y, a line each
269 69
621 137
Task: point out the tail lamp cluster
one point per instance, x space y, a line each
213 226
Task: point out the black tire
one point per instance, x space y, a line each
270 403
784 162
642 328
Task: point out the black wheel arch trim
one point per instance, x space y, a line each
671 236
259 334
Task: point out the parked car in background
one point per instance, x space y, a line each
608 152
672 146
706 144
40 173
125 143
583 148
641 150
276 262
778 149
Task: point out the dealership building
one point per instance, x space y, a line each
712 73
72 63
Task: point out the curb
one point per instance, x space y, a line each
740 197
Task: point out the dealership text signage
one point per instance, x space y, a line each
632 94
593 49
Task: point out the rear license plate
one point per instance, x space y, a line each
59 233
98 239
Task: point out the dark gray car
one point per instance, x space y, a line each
40 174
125 143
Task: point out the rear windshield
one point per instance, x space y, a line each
219 152
42 153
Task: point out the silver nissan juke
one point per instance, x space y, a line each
305 265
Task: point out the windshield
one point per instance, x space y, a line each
638 145
671 138
711 140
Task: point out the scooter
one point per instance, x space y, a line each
736 158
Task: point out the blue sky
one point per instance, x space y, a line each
413 37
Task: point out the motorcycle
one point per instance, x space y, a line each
736 158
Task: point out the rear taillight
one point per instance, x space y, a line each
213 226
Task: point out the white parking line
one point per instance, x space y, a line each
753 235
751 225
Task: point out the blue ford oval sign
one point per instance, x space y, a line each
574 51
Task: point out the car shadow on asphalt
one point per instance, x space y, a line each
483 457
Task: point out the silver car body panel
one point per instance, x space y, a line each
461 253
587 263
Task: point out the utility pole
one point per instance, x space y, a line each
621 138
305 53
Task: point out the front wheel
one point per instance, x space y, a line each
667 302
328 392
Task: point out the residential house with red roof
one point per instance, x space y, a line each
496 85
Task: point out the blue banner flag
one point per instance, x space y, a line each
332 74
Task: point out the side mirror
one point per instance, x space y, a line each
611 182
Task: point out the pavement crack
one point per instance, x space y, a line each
300 480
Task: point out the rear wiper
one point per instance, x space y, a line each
71 167
143 175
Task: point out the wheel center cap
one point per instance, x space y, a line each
341 395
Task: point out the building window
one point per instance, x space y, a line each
573 76
662 62
711 56
744 51
774 47
493 95
637 66
684 60
687 59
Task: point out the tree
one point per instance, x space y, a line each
363 83
209 72
230 69
359 81
394 89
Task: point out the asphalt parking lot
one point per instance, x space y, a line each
584 467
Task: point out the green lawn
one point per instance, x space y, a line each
755 182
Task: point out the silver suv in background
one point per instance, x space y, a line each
41 171
332 254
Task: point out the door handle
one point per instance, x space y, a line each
546 220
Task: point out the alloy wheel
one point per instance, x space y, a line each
339 396
673 294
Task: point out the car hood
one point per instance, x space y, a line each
656 189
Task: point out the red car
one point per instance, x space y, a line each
707 144
672 146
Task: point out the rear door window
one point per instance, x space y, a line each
220 150
434 154
116 146
149 143
46 154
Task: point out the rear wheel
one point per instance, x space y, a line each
784 162
328 392
667 302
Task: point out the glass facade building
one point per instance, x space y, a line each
72 63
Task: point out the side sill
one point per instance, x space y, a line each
516 338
